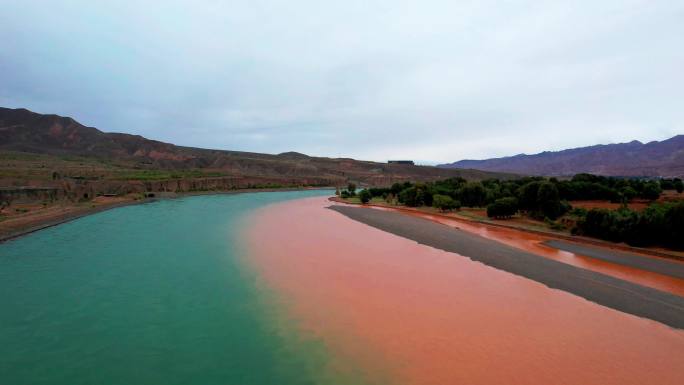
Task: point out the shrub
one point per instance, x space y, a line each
378 191
411 197
554 225
674 226
444 202
344 194
473 194
398 187
594 223
651 191
578 212
628 193
502 208
679 185
658 224
667 184
565 207
365 196
527 196
548 200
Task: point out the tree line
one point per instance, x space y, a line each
548 199
660 224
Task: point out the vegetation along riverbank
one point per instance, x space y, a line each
638 212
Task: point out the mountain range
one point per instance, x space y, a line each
59 139
633 159
117 155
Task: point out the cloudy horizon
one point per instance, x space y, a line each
435 82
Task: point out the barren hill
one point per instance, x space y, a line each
39 147
664 158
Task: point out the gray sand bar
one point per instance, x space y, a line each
653 264
605 290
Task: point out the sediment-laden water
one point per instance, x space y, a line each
150 294
265 288
426 316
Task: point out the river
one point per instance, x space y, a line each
156 293
273 288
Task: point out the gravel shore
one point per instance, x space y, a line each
596 287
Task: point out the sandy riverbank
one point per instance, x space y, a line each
14 227
428 316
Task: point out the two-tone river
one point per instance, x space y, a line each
148 294
265 288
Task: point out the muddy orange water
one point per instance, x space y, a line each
534 243
417 315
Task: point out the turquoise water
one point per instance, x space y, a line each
147 294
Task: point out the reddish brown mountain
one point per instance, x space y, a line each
665 158
23 131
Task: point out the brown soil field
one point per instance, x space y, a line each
637 204
588 205
671 195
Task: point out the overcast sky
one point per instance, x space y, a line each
433 81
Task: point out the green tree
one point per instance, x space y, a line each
502 208
651 191
658 224
412 197
398 187
364 196
674 226
352 189
667 184
548 200
473 194
444 202
527 196
628 193
679 185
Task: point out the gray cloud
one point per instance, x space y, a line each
434 80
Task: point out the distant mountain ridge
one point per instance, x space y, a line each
25 131
654 159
